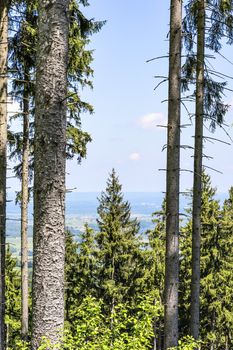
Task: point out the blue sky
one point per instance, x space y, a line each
123 93
127 109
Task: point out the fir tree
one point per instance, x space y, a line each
117 243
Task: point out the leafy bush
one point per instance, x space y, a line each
187 343
127 329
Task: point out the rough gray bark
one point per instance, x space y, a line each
197 178
49 186
3 143
173 174
24 213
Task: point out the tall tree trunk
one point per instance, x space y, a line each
3 143
197 179
24 211
49 186
173 174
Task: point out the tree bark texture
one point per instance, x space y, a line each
24 212
197 179
49 186
3 154
172 183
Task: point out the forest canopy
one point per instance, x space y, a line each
113 284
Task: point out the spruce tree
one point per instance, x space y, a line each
209 257
222 256
117 243
80 267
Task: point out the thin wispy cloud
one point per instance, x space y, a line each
152 120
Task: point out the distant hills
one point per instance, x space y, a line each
81 207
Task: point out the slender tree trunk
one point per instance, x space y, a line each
112 306
197 179
3 154
226 343
173 174
49 186
160 337
24 212
155 335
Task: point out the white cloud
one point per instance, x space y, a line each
12 107
135 156
150 121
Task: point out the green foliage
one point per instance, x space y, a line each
13 301
79 76
155 251
22 61
216 270
77 142
118 246
219 19
126 329
92 322
22 345
107 273
79 270
187 343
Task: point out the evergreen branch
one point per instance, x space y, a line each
214 139
160 83
186 108
225 58
162 126
221 74
160 77
208 167
186 147
156 58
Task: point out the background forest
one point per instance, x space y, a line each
115 286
